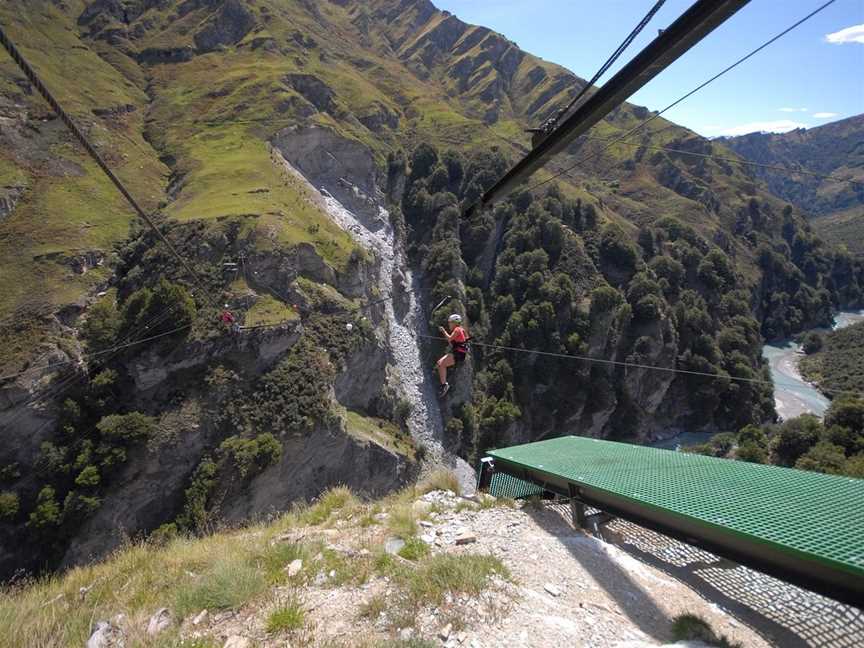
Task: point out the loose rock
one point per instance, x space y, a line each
294 567
236 641
552 589
445 632
464 536
394 545
160 621
103 637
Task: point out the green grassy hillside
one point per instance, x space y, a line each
642 254
835 149
183 98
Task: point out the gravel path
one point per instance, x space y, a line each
566 589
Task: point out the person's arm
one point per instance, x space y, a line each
445 333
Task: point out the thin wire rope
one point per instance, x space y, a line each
43 90
743 162
718 158
635 365
69 381
611 60
684 97
88 356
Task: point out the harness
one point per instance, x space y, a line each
460 347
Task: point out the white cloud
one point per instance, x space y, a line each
777 126
825 115
853 34
792 109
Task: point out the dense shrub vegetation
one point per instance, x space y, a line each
837 362
547 273
834 445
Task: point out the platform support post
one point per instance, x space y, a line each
577 508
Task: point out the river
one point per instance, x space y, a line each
793 395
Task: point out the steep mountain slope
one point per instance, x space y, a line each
248 127
836 149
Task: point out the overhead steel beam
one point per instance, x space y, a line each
691 27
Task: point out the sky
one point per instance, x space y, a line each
811 76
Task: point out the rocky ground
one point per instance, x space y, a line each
564 588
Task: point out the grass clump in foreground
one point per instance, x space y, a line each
689 627
441 479
224 586
339 499
414 549
287 617
429 582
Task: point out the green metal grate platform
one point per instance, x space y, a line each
802 526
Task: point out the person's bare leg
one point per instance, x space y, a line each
443 363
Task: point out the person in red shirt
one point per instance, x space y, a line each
458 339
227 317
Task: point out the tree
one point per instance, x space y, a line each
8 505
796 436
47 511
102 323
251 456
751 452
88 478
617 250
855 466
723 443
752 434
127 428
811 342
823 457
848 412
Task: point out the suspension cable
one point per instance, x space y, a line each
684 97
34 79
550 125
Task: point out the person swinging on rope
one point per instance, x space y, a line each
457 337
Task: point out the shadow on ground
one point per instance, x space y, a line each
785 615
632 599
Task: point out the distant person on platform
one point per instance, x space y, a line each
457 337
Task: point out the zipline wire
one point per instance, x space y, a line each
34 79
684 97
635 365
88 356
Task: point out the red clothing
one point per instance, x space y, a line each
227 317
458 335
458 338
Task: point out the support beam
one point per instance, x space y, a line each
691 27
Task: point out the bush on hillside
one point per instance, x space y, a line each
823 457
9 505
251 456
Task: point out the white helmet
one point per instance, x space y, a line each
455 317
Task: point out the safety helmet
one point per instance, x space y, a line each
455 317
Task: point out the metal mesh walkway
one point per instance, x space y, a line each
781 518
